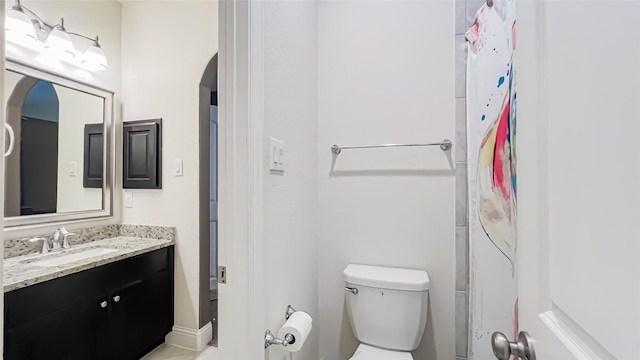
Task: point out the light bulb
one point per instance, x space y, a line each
59 45
94 59
19 28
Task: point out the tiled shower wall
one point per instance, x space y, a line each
465 11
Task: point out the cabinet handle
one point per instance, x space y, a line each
116 298
104 304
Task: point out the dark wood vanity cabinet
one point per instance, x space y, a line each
120 311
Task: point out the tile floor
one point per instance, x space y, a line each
168 352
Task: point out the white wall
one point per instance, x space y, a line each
166 47
290 203
386 72
75 110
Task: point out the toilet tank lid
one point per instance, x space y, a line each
386 278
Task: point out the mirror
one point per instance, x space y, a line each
61 148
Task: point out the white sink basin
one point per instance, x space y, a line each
53 260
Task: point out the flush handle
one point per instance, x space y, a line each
352 290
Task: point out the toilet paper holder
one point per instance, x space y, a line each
290 310
270 339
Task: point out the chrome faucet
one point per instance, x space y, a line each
55 243
60 234
45 244
64 234
65 237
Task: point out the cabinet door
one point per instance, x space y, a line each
93 156
140 317
76 332
142 151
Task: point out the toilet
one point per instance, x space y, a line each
387 310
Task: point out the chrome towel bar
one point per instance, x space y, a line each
337 149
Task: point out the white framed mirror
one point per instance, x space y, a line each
62 165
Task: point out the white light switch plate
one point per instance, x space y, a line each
128 199
73 168
276 154
177 167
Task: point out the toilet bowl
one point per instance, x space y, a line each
387 310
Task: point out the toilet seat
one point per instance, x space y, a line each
367 352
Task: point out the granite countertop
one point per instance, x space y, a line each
20 271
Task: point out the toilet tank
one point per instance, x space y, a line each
389 309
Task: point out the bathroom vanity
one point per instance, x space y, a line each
107 292
104 299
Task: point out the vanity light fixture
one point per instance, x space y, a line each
59 43
19 28
94 58
26 28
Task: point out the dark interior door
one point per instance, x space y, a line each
38 166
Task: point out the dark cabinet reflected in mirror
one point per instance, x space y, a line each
52 160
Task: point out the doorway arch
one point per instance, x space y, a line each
208 84
36 102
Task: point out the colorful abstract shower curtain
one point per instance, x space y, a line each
491 133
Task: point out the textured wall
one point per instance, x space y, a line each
290 198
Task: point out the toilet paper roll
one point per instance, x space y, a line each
299 325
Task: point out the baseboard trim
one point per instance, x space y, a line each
190 339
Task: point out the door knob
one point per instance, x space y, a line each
503 348
104 304
116 298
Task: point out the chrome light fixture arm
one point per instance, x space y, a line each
18 6
96 40
45 28
42 28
